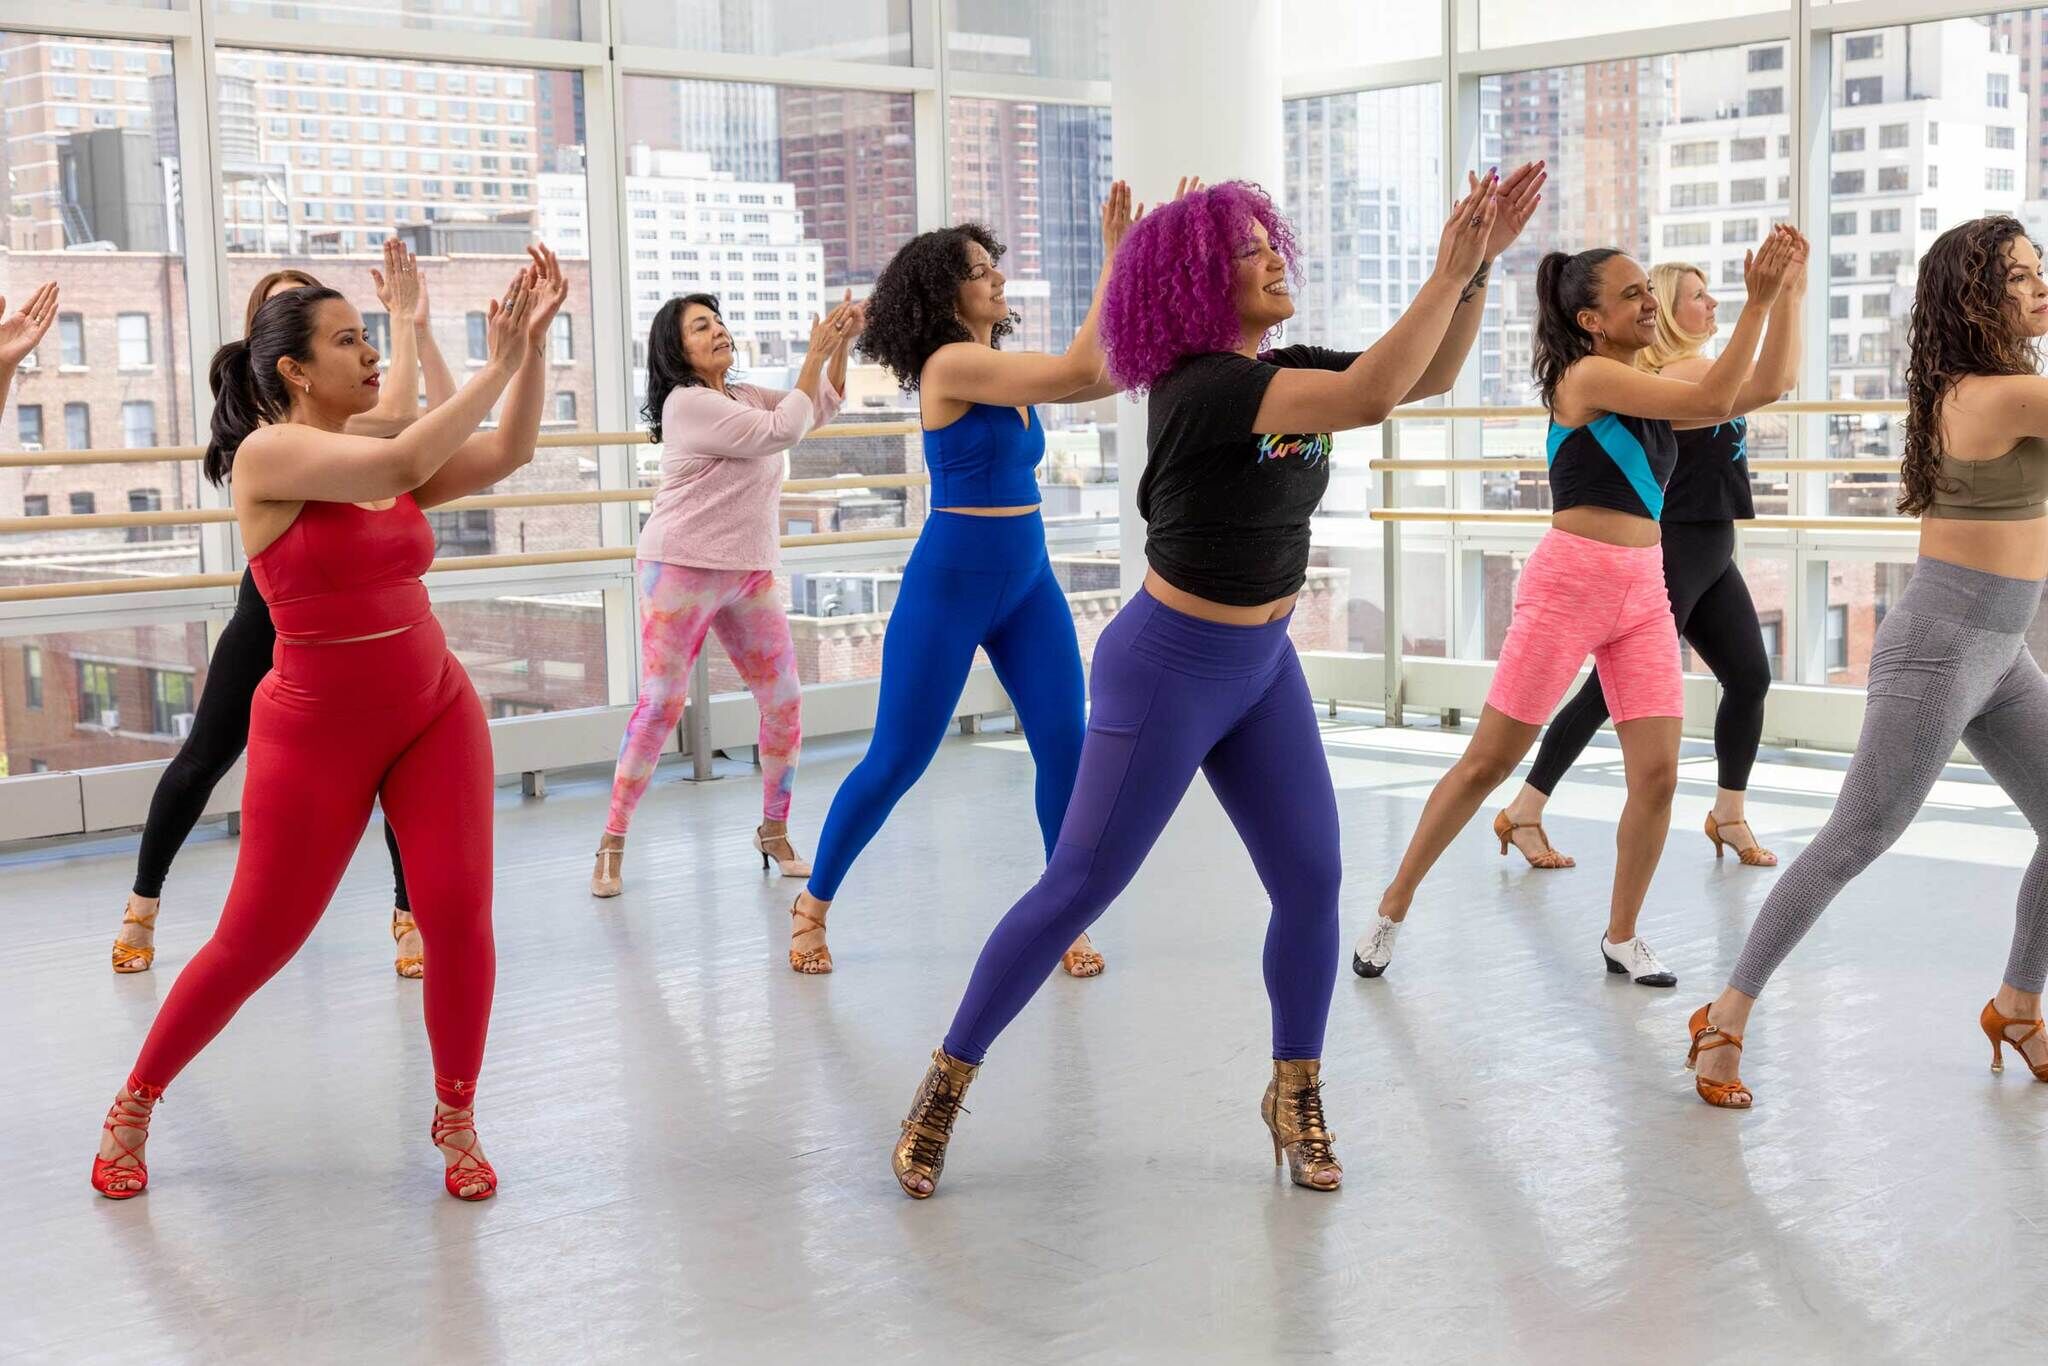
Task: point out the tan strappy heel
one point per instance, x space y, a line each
787 862
921 1153
1727 1095
1504 830
1756 856
411 966
605 879
1293 1111
1995 1026
129 958
810 962
1081 960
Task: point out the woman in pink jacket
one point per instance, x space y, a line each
708 553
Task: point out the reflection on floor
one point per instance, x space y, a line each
695 1141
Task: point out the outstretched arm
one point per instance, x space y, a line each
398 393
1519 194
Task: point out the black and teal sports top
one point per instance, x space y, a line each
1711 482
1612 462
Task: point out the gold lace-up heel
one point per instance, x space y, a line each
604 878
1293 1111
921 1152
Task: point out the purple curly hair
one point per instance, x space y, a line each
1169 293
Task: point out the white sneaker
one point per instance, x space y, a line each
1635 960
1375 950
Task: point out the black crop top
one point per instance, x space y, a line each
1710 483
1227 510
1612 462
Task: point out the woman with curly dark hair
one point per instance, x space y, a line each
979 577
1950 663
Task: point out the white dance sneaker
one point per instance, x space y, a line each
1636 961
1375 950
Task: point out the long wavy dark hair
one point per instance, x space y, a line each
247 390
668 365
913 312
1565 283
1960 325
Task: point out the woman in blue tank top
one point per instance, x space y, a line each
979 577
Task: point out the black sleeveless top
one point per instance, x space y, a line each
1612 462
1710 483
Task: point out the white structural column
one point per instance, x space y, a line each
1194 90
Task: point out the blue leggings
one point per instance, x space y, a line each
972 582
1173 694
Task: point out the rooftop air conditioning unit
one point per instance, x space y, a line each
110 719
181 725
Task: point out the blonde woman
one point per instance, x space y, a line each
1708 494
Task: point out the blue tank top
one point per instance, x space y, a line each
988 459
1711 481
1612 462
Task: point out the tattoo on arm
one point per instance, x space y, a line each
1476 285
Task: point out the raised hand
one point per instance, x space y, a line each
1519 194
1462 249
856 315
398 284
1188 185
1764 270
505 326
549 288
20 332
1800 249
834 328
1117 217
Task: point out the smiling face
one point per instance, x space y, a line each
2026 294
979 301
1261 291
342 370
707 345
1624 312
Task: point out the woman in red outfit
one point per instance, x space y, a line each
364 702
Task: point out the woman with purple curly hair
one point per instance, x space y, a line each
1197 671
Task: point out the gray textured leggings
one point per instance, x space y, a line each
1950 663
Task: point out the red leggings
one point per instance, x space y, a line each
333 729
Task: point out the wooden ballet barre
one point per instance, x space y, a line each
1517 465
151 455
1897 526
100 588
1843 407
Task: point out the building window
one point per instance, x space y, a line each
1842 224
1892 136
1998 179
1838 636
1746 191
1767 59
147 500
377 332
1863 90
1688 234
1841 264
82 504
28 426
1847 140
96 694
132 334
1703 194
1838 306
32 675
1746 149
1928 220
1886 263
1874 306
1846 182
1682 154
1739 230
138 424
1863 46
170 697
465 532
1998 136
479 338
35 505
1731 272
565 405
1998 90
1771 101
71 338
1838 348
78 426
561 340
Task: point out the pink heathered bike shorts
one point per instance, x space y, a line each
1578 597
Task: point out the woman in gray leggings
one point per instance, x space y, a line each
1950 661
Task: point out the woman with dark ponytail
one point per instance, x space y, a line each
220 724
1595 582
366 704
1950 664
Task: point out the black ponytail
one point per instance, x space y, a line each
247 389
1565 284
668 365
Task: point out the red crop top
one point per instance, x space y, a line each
342 571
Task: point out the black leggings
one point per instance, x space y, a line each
220 732
1717 618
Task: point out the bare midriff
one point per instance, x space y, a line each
992 512
2013 550
1607 525
1222 612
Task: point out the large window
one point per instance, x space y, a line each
848 30
507 18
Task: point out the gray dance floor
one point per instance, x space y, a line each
694 1141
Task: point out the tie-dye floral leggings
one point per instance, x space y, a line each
678 605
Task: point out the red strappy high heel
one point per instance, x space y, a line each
467 1169
131 1111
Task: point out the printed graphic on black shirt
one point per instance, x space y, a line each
1313 448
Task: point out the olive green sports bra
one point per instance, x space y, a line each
2008 488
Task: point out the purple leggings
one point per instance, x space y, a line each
1171 694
